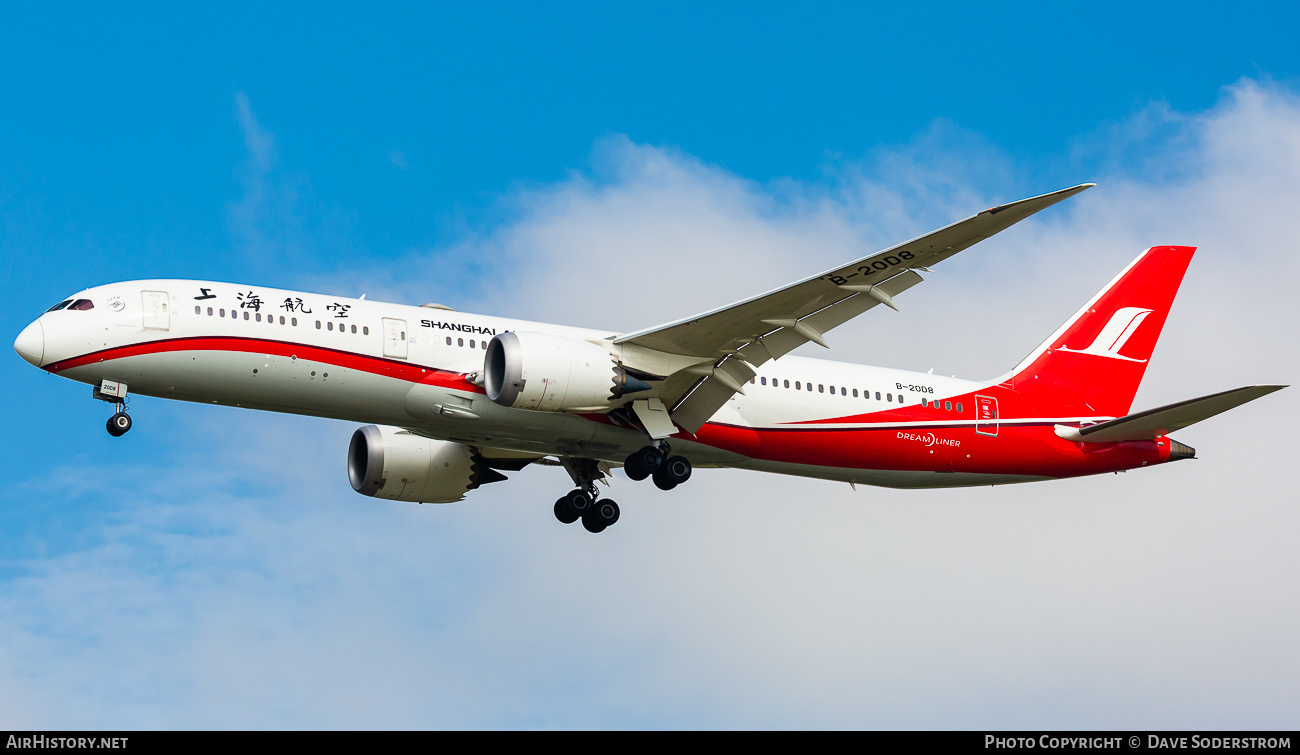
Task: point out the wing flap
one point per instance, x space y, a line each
1163 420
713 390
710 393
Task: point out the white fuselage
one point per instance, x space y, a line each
391 364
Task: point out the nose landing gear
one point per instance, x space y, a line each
114 393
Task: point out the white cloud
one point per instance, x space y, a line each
266 221
250 587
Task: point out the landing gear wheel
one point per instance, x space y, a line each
606 512
118 424
577 501
592 523
661 480
564 512
677 469
643 463
634 469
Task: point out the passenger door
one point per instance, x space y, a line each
986 415
156 314
395 338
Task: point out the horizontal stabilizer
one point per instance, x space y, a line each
1163 420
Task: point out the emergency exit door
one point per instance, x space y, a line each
395 338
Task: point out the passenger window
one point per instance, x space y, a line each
354 328
763 383
365 330
797 386
281 319
877 395
318 324
947 406
448 340
245 315
221 312
483 344
259 317
889 397
855 393
959 408
900 398
924 402
329 325
471 344
198 310
787 384
209 311
844 391
293 321
821 388
460 341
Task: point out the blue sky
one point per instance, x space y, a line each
618 168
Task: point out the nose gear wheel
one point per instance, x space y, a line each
118 424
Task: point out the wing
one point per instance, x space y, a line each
729 342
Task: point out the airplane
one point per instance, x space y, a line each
452 400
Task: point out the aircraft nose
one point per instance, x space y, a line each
30 344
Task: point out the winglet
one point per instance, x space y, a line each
1038 203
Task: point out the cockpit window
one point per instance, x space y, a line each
59 306
82 305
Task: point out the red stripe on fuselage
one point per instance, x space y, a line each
394 368
1026 450
1017 449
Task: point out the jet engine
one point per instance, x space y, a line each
388 462
548 373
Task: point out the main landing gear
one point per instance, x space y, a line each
582 504
115 394
656 462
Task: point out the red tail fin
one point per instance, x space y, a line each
1097 358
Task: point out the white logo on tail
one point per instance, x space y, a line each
1123 324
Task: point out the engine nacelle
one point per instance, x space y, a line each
388 462
549 373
